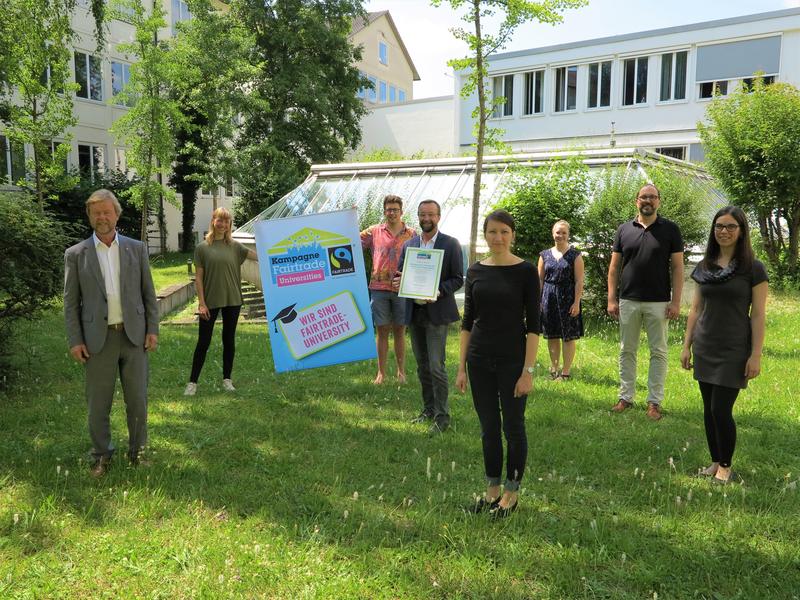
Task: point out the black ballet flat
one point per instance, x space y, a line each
481 505
498 512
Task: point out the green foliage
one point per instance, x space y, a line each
537 198
37 67
614 202
68 207
386 154
148 128
31 264
752 142
303 106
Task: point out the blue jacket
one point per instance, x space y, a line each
444 310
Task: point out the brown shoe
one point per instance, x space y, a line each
100 467
621 406
653 411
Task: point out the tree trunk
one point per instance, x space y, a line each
476 186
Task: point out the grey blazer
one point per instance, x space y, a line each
85 305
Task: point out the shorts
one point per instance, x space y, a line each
387 308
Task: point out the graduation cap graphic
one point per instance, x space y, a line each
285 315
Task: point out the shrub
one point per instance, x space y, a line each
31 264
537 198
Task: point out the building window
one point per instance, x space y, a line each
229 186
120 160
534 93
52 146
383 53
599 85
392 94
747 82
382 92
673 76
401 96
12 161
635 81
91 159
566 88
709 89
678 152
120 77
372 93
503 89
89 76
180 12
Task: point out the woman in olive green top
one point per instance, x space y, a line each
218 261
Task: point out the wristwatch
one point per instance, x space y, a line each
529 370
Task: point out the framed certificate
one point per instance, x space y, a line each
421 270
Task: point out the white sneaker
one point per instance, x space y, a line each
191 389
227 385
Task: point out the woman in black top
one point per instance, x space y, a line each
499 340
725 331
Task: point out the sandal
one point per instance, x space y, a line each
554 374
564 376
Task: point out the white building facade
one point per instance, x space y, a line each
645 89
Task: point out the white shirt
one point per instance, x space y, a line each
429 244
108 257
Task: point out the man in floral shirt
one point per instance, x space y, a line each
386 240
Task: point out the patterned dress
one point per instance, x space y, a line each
558 294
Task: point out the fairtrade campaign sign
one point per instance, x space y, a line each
315 290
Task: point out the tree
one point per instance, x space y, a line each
148 128
303 106
752 142
212 52
481 46
36 67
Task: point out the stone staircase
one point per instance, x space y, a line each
253 309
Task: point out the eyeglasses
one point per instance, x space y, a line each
730 227
391 210
648 197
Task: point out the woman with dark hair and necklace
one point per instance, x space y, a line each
498 344
725 331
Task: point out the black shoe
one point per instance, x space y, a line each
481 505
438 427
422 417
498 512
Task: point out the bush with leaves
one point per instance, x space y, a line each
537 198
31 264
614 202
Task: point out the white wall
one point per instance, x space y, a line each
419 126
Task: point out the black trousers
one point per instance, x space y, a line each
492 383
230 318
718 416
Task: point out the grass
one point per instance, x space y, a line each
315 485
170 268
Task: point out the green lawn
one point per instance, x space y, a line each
170 268
315 485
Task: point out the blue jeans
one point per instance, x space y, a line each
429 342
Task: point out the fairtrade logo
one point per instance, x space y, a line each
341 260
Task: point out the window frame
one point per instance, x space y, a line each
126 68
636 76
383 53
506 109
672 77
86 63
600 87
11 171
565 89
94 168
533 90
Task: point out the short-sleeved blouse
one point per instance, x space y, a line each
721 340
222 272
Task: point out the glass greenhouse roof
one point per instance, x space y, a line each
448 181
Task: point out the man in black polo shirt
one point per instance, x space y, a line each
649 252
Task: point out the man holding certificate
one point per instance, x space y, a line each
431 270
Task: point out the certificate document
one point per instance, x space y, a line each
421 270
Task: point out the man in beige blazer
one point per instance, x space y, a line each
112 322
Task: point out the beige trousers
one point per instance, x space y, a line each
632 316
